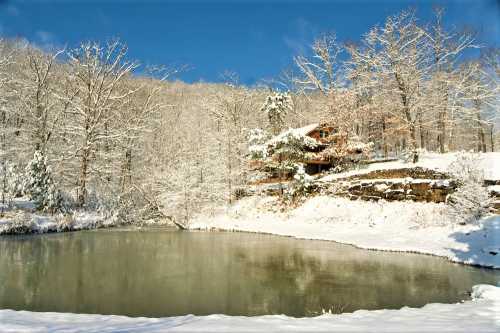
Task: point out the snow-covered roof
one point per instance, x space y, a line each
306 129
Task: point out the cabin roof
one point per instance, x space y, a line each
306 129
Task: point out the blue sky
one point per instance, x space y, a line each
256 39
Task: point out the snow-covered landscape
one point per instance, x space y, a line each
480 315
253 166
420 227
399 226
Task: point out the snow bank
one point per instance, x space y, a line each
394 226
21 217
488 162
480 315
39 224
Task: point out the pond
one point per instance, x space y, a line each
163 272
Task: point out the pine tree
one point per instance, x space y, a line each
39 186
276 108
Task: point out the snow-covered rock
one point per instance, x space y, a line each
489 163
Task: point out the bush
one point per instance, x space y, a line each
301 185
14 180
22 223
471 199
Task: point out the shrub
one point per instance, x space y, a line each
471 199
301 185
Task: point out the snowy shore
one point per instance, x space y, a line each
480 315
21 218
391 226
405 226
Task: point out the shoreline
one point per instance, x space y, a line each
403 227
480 314
346 244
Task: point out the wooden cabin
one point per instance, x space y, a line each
325 135
332 149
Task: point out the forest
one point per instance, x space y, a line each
99 131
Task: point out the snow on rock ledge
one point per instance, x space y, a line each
480 315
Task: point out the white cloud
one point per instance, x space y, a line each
301 36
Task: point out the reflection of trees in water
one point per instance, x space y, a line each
167 273
305 284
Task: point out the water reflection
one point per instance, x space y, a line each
166 273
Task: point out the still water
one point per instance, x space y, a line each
163 272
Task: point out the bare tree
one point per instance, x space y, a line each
39 102
319 72
477 95
5 129
95 97
447 47
230 112
398 62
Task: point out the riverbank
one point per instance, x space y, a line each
404 226
389 225
20 217
480 315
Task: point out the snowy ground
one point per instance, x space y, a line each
394 226
488 162
21 217
420 227
482 314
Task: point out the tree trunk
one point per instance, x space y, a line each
491 139
82 191
384 141
481 140
442 132
229 169
421 132
127 169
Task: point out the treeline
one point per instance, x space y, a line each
408 85
120 136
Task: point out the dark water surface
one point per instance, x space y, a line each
161 272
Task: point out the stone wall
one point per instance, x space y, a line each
429 190
417 184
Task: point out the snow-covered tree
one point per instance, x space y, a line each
319 72
447 46
256 144
230 111
41 110
286 150
302 182
290 146
471 199
398 58
14 180
39 186
276 108
96 96
347 152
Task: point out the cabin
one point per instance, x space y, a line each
333 148
326 135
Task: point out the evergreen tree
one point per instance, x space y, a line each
276 108
39 186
